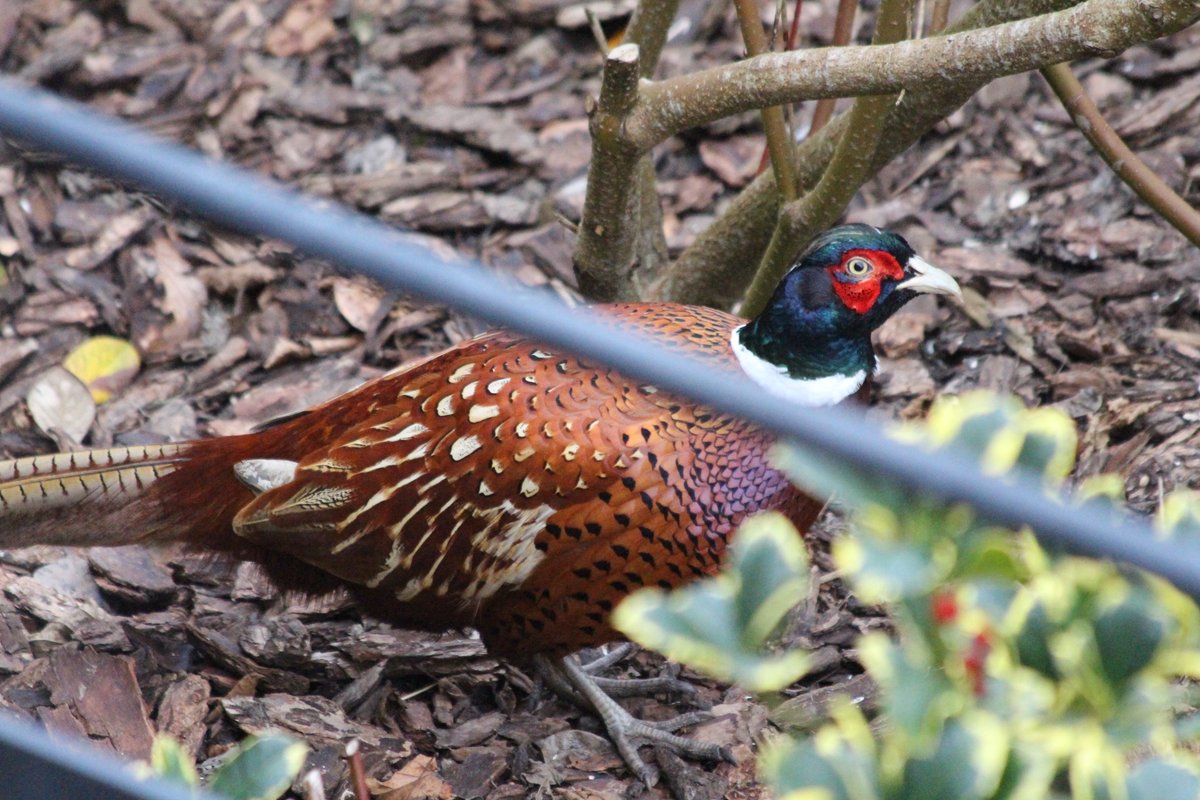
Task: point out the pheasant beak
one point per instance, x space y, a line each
928 279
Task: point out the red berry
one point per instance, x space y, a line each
944 607
973 662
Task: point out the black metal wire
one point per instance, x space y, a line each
248 203
35 767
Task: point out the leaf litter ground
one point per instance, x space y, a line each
463 121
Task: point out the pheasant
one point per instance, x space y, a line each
499 484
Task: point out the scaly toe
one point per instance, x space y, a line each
682 721
641 687
628 733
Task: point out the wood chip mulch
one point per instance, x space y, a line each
463 120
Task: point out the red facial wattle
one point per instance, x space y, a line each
861 294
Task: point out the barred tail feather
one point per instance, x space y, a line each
121 495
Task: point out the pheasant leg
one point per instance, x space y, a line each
626 731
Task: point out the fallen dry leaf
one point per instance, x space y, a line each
305 27
104 364
183 299
59 402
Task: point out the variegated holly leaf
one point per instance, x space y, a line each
170 761
801 770
997 432
1179 516
262 768
720 625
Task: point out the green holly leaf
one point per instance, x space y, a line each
1033 642
720 625
827 767
262 768
968 761
1128 636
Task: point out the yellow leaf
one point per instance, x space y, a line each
104 364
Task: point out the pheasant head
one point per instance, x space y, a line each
812 342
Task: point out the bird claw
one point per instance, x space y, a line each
628 732
682 721
639 687
668 682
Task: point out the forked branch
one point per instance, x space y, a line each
938 74
1092 28
716 269
802 219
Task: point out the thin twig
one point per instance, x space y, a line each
1091 28
1129 168
843 26
358 771
941 16
597 31
850 166
794 30
311 786
716 269
778 140
777 24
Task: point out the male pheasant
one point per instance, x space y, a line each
500 484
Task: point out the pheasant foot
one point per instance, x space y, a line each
667 682
626 731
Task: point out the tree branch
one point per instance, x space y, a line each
607 235
1129 168
648 30
1093 28
779 142
850 166
717 267
843 27
621 243
941 15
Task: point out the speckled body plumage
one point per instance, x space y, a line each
498 485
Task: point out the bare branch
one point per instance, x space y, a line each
717 267
941 15
843 27
794 30
779 142
648 30
605 250
850 166
1129 168
1093 28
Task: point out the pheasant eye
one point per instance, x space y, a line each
858 266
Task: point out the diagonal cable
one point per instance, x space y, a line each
245 202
